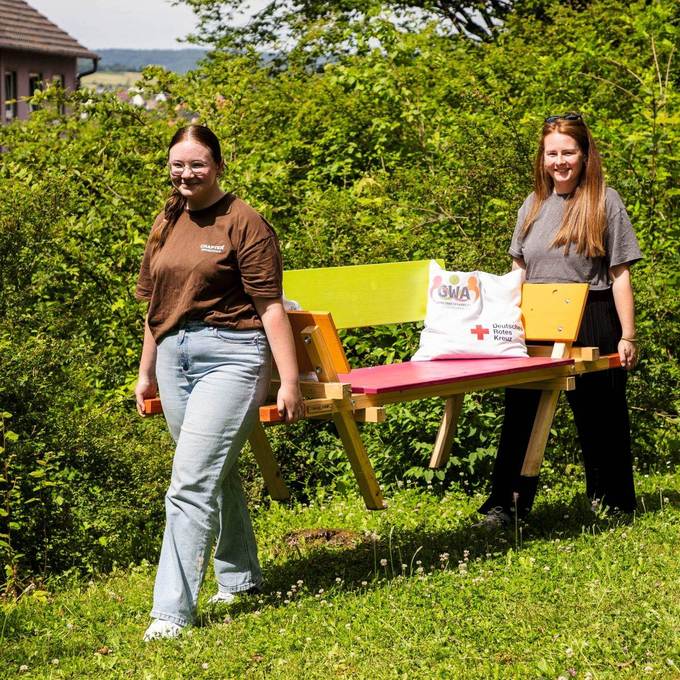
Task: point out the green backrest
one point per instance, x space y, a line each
362 295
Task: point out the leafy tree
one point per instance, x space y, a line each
221 21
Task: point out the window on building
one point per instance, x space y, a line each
58 79
10 95
34 83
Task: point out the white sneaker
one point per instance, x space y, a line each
222 598
160 629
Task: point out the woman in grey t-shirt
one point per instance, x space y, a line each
573 228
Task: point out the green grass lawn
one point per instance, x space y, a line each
412 592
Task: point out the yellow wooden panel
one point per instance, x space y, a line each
362 295
553 311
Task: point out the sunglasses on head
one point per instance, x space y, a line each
568 116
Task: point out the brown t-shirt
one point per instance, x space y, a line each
213 263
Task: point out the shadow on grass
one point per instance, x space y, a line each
359 569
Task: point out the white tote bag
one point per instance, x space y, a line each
472 315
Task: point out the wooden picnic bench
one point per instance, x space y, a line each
372 295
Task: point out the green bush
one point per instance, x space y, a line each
412 145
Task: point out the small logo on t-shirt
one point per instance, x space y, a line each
210 248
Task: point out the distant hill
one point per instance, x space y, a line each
180 61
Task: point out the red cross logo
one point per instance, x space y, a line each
479 331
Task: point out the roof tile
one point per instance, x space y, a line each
23 28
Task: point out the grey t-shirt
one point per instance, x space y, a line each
546 264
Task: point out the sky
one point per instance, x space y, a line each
130 24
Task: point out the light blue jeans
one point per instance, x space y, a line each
211 382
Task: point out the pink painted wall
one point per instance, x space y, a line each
25 63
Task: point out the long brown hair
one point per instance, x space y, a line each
585 221
176 203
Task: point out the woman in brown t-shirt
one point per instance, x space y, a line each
212 276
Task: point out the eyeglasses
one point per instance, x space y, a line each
177 169
567 116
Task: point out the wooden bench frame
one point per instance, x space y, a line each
370 295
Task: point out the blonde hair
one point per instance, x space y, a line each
585 220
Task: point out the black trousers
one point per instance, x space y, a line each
601 417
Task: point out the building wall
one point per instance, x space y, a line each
26 63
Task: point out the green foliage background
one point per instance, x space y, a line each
408 145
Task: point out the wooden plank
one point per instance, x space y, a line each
601 364
262 451
315 343
447 430
424 374
311 408
324 322
553 311
363 295
542 422
324 408
472 385
358 458
539 434
372 414
577 353
566 384
152 406
320 354
318 390
585 353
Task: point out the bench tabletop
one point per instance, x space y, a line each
415 374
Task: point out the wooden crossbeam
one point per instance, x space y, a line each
576 353
318 390
372 414
566 384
